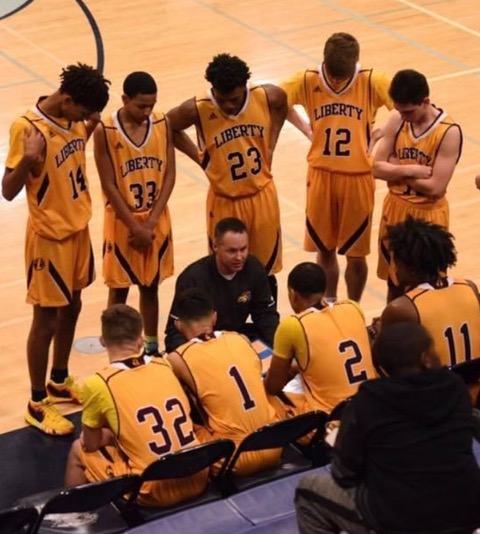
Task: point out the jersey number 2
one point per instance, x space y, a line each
356 357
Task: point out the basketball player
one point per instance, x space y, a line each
417 157
341 100
327 344
448 308
136 163
47 156
222 372
237 128
135 411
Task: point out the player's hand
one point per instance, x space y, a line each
33 144
141 238
477 181
374 328
420 172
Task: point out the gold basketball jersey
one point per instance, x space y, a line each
339 356
152 411
342 122
452 316
228 377
236 148
139 169
58 199
419 149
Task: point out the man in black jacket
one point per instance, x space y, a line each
237 284
402 460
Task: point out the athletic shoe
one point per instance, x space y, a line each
67 391
44 416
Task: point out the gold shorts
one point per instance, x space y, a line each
339 212
55 269
124 266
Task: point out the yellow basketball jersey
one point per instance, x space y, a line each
236 148
152 411
228 377
419 149
58 199
339 356
342 122
139 169
452 316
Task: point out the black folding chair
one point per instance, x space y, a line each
17 520
176 465
273 436
95 498
469 371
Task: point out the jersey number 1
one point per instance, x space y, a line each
248 402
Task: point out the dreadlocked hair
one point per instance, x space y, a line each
85 85
426 248
226 73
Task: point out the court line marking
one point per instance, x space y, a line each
441 18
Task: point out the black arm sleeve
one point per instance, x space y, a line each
263 308
348 459
173 337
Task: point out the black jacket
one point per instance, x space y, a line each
406 443
247 293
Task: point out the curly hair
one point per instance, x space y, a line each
85 85
427 249
226 73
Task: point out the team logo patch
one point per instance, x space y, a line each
109 247
51 134
317 89
119 146
213 116
38 264
244 297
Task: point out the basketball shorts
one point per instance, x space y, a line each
396 210
339 212
124 266
261 215
55 269
109 462
249 462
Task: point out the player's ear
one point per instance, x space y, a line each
430 359
178 325
140 343
102 341
214 318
